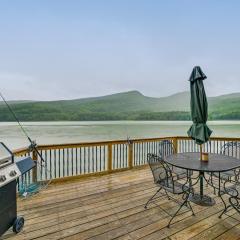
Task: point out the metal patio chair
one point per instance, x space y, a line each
232 189
167 148
230 149
164 180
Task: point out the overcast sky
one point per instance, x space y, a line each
55 49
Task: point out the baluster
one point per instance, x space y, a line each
41 167
84 160
50 163
68 163
100 157
76 161
130 155
96 165
72 160
104 154
134 154
55 163
126 155
89 159
139 153
46 164
80 160
147 150
120 155
64 165
144 152
59 163
114 160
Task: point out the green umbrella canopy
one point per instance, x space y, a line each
199 130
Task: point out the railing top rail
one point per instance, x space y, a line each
20 151
212 138
87 144
100 143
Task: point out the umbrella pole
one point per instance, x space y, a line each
201 152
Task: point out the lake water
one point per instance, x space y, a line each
68 132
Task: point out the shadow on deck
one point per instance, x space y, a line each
112 207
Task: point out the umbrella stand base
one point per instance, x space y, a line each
203 200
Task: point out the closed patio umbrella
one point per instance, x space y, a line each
199 130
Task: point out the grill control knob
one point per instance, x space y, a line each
2 178
12 173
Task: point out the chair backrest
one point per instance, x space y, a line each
231 149
158 168
166 148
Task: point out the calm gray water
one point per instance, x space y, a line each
68 132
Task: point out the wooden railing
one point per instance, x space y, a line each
67 161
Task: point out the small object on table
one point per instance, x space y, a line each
205 157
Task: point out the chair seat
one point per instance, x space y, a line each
173 186
179 172
232 189
225 175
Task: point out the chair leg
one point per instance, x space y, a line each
190 206
152 198
224 211
235 205
167 194
185 203
236 208
175 214
208 180
225 206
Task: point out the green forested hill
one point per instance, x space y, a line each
128 105
225 107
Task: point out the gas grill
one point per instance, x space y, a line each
10 171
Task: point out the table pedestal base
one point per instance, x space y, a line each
201 200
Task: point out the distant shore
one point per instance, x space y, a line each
122 106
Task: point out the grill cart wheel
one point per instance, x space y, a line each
18 224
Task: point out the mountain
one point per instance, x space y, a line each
225 106
126 105
134 101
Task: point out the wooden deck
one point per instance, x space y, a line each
112 207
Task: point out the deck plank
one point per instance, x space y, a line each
218 228
112 207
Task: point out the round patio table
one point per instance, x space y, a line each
190 161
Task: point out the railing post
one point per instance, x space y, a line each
175 145
130 154
109 157
34 171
